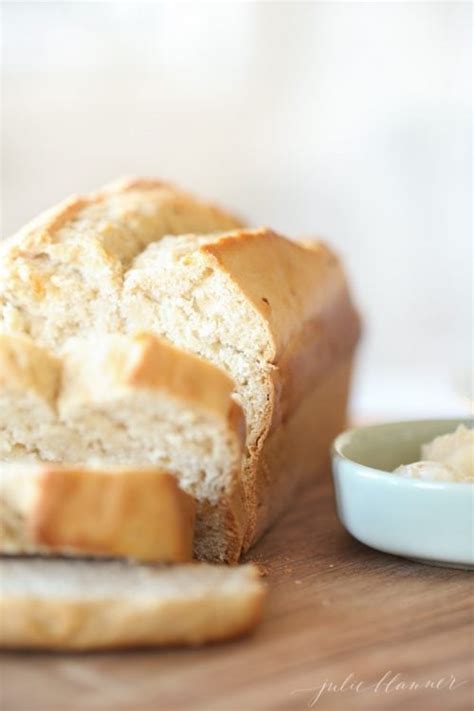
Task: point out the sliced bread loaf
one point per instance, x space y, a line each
138 513
79 605
275 314
131 401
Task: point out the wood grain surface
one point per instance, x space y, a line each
345 628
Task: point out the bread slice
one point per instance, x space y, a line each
80 605
138 513
131 401
63 272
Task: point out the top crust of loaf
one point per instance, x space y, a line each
287 283
100 242
143 361
82 247
151 207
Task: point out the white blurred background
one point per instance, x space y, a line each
347 120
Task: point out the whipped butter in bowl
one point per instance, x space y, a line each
407 488
448 457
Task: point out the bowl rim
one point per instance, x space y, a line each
369 472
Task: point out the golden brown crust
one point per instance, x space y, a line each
288 284
43 229
138 513
302 296
134 513
311 355
155 363
85 621
299 449
47 625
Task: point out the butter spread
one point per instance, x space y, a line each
449 457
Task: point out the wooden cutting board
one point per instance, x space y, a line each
345 628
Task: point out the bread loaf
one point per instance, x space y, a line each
276 315
79 605
131 401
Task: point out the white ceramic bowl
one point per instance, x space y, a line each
432 522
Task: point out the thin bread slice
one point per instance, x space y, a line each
131 401
138 513
84 605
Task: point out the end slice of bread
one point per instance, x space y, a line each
138 513
85 605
